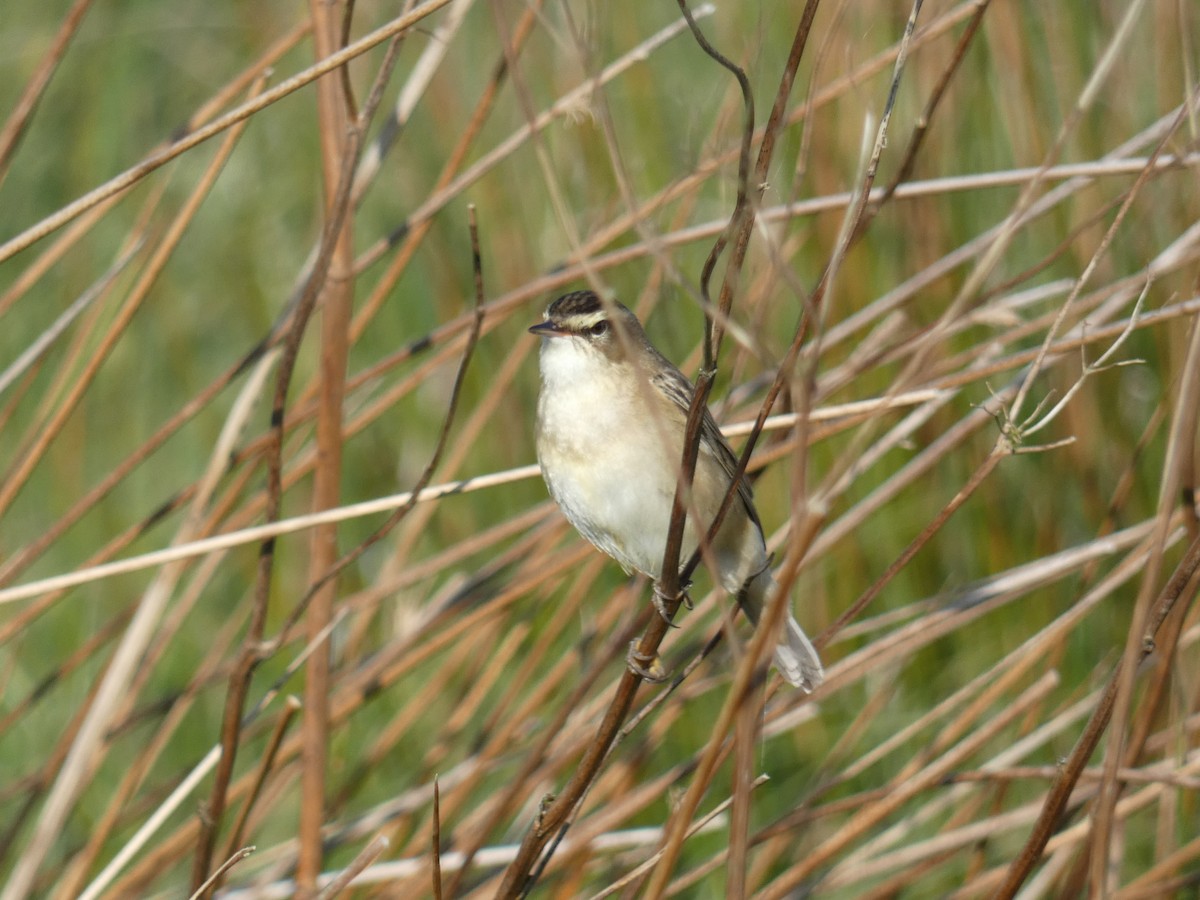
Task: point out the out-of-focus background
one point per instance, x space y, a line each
1039 176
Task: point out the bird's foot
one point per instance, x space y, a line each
644 665
660 599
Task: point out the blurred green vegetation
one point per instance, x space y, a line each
137 70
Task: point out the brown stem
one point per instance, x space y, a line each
1060 792
334 121
14 127
517 879
161 157
252 651
855 609
908 161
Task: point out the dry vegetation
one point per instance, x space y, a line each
970 313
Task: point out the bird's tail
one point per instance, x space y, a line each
795 656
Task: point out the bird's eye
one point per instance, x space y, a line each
598 329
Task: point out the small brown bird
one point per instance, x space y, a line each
610 428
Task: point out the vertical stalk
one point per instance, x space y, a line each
334 122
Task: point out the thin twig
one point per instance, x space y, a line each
82 758
252 652
360 864
1070 772
518 879
27 104
160 158
435 842
347 512
217 875
237 833
36 349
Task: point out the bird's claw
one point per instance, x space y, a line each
646 666
660 605
660 599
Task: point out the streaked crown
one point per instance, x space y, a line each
584 314
578 306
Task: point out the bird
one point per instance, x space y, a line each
611 415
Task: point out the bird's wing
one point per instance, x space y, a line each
679 389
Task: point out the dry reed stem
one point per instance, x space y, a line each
335 118
131 176
482 647
371 507
186 840
81 761
18 120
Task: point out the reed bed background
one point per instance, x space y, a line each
235 294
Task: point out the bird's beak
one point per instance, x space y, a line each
546 329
